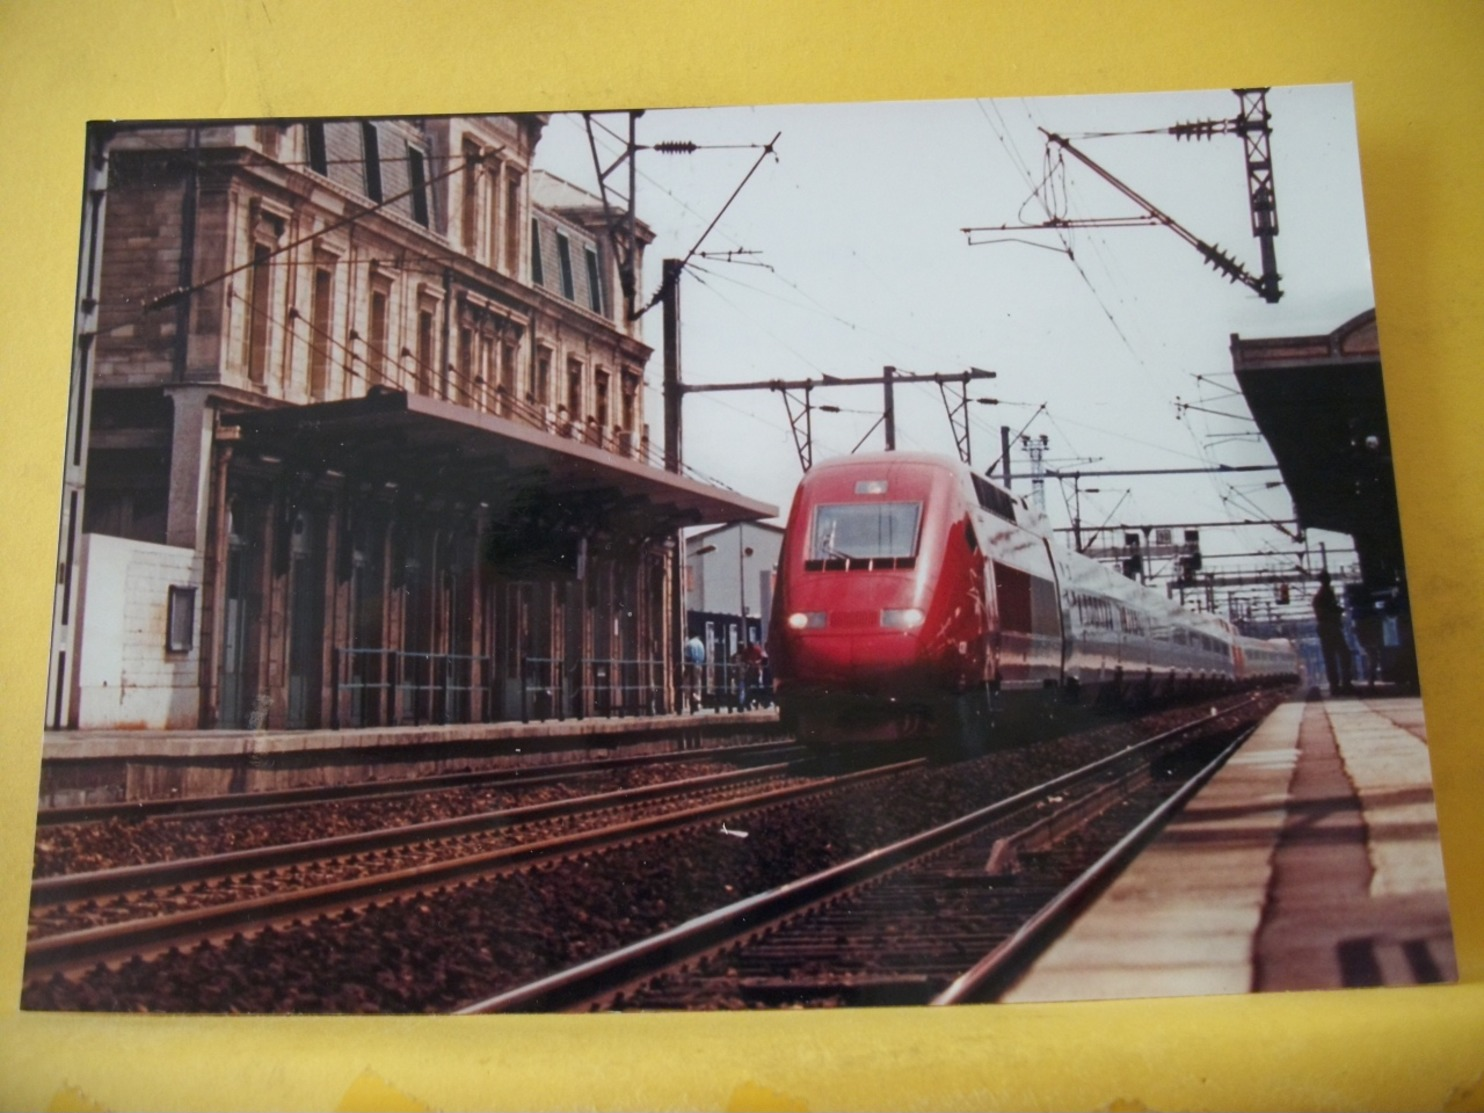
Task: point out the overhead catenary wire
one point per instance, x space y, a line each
767 150
1021 165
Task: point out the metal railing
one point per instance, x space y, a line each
725 686
603 687
388 687
380 687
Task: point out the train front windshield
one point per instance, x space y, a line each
865 531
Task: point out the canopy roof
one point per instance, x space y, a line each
394 439
1320 403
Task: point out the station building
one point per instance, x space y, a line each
730 571
358 438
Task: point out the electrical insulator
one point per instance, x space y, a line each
675 147
1199 129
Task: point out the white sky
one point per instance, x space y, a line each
858 220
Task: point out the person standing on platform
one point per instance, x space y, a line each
1330 616
751 660
693 654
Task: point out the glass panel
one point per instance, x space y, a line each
865 530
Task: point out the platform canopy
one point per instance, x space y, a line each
390 439
1320 403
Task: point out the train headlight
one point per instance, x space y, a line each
806 620
909 619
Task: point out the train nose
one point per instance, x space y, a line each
876 657
855 655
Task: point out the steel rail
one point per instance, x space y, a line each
69 950
1003 966
246 803
605 974
75 886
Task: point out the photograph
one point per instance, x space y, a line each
772 557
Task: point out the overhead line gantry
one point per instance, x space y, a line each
1253 124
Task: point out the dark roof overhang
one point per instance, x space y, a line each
444 450
1320 403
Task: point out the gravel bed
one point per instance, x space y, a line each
113 843
343 867
903 938
439 950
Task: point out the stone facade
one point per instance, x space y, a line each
243 269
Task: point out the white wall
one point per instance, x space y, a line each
125 678
718 577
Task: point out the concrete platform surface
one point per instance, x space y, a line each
1310 861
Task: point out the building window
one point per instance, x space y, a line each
564 261
320 305
630 399
491 202
512 223
418 181
600 400
314 143
538 277
469 223
507 378
541 388
574 388
180 620
259 286
466 361
371 151
425 348
483 396
376 342
594 287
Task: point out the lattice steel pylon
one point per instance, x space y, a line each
1254 125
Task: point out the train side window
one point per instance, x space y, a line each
1013 590
971 537
1045 614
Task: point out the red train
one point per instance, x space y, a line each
915 597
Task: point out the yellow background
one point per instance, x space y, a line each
1418 73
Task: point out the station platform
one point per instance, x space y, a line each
1310 861
104 766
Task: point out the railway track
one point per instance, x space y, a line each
948 915
177 903
477 924
218 825
275 800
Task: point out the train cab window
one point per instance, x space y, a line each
993 499
848 536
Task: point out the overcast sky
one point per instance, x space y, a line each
858 221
